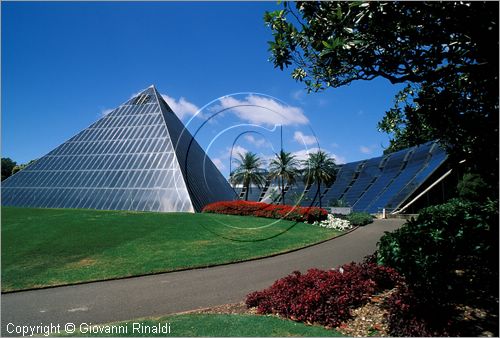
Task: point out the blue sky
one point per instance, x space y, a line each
64 65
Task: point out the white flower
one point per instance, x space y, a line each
332 222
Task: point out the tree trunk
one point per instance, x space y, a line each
282 191
247 187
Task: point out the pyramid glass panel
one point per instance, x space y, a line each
127 160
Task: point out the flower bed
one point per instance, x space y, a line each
324 297
335 223
260 209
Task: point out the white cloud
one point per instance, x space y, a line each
301 138
181 107
302 155
135 94
105 112
234 151
219 164
258 142
367 149
339 159
231 151
298 95
262 110
232 154
335 145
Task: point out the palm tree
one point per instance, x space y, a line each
319 168
248 172
285 166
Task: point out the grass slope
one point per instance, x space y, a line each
46 247
212 325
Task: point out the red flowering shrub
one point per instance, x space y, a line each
260 209
323 297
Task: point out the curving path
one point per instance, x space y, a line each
156 295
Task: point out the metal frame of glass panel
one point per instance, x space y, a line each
344 178
370 185
369 172
437 156
391 166
417 159
127 160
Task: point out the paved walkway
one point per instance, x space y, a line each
166 293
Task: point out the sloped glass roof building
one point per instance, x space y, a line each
138 157
384 182
141 157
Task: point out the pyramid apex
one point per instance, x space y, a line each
168 187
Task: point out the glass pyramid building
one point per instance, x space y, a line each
138 157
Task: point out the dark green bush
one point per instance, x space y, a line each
359 218
407 316
472 187
450 251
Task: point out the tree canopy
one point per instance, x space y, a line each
20 167
248 172
7 165
284 166
319 168
445 52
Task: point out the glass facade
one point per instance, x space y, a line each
390 167
371 185
127 160
344 178
410 183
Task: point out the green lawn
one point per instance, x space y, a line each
42 247
210 325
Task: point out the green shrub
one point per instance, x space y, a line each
359 218
450 251
472 187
